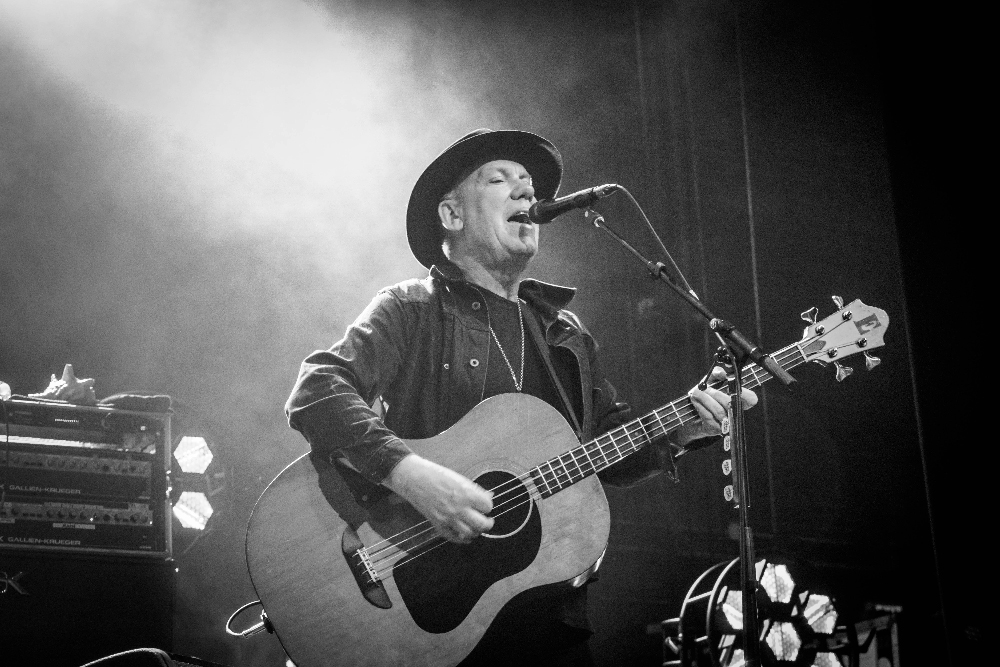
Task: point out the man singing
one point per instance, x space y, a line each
425 352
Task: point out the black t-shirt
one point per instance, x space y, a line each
549 618
503 317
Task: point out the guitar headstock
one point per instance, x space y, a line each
854 328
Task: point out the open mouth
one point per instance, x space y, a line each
520 217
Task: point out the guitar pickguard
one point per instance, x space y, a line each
443 584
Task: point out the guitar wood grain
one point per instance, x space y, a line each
306 586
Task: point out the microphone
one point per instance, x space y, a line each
548 209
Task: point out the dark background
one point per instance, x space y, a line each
784 153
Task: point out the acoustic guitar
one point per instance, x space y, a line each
349 581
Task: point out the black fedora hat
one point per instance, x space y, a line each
537 155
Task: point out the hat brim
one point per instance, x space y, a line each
423 227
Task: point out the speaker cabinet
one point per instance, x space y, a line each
65 610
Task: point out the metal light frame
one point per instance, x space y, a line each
798 626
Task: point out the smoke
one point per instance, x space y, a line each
195 195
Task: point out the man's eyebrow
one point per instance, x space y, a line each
506 171
520 172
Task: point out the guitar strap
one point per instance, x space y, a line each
543 350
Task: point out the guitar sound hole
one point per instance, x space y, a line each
511 503
441 583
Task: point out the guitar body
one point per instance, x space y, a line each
433 609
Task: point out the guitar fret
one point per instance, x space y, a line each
646 430
569 468
604 454
563 478
611 447
617 453
631 442
596 443
680 420
560 472
618 450
539 479
586 454
659 421
553 479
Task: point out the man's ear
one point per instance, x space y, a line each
450 215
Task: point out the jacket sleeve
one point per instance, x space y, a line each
610 413
330 403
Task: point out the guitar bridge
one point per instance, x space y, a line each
366 562
364 573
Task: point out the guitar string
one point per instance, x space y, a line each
524 491
384 573
377 561
752 370
629 430
618 451
757 377
515 483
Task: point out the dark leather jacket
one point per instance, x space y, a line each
423 347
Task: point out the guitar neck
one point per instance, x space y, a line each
617 444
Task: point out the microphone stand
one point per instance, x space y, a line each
740 350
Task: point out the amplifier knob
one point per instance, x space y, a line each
107 517
61 514
72 515
50 513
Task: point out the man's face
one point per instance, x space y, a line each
488 199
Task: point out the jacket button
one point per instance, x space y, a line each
474 363
476 305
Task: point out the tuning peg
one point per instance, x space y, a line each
727 466
838 302
810 315
871 361
842 371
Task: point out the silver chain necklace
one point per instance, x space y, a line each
518 382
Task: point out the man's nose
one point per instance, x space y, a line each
523 191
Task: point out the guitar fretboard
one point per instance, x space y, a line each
592 457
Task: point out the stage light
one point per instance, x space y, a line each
776 581
783 641
193 454
193 510
194 481
820 614
798 627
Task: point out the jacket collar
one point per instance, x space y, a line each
546 297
